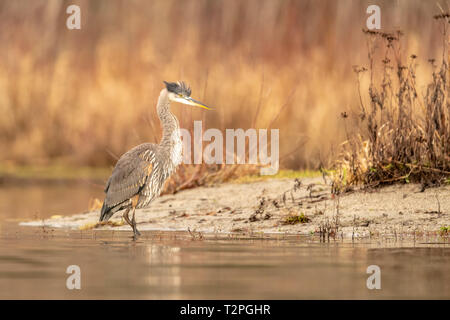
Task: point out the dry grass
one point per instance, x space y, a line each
191 176
84 97
403 133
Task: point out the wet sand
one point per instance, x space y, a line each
284 206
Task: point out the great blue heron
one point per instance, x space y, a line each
140 173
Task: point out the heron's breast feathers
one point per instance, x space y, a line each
177 149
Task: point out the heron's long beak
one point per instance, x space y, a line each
192 102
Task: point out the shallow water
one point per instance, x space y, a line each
33 264
168 265
37 201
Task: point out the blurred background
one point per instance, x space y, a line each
73 101
84 97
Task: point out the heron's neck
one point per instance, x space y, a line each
171 141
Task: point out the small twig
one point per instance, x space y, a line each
438 202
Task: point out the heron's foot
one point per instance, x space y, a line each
136 235
136 232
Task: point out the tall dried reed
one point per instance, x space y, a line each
403 134
84 97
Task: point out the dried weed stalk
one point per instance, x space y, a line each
403 135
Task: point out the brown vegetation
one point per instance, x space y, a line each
402 134
84 97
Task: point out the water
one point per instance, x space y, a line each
19 202
162 265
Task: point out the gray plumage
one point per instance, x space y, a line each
140 173
129 178
178 88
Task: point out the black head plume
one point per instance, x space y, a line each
179 88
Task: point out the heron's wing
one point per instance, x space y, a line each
130 174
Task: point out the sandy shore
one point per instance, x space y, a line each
285 206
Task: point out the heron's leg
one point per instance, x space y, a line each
127 218
133 221
134 203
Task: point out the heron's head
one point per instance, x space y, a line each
180 92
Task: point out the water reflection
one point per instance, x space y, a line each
42 201
162 265
165 260
172 266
